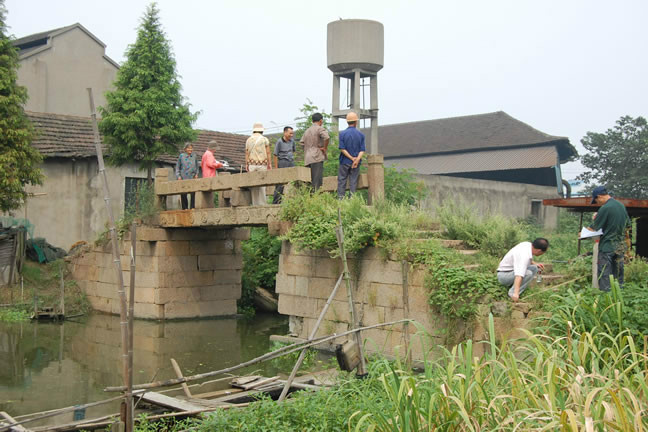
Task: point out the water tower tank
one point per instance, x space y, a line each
355 43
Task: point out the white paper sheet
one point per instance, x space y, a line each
585 233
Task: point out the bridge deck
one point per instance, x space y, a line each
234 203
220 217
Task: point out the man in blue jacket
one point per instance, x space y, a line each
352 147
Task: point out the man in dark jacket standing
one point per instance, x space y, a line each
612 218
352 148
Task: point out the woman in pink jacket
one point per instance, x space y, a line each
209 164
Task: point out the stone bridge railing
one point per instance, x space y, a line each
234 201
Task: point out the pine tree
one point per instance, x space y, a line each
146 116
18 159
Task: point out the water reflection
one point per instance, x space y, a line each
45 366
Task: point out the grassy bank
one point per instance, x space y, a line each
44 280
582 370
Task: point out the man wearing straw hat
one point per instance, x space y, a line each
352 148
257 158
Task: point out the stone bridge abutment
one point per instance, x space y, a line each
179 273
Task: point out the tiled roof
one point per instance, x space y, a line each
67 136
489 131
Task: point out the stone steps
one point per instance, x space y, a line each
468 251
426 234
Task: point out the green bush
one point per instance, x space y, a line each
636 271
13 314
402 187
316 217
260 264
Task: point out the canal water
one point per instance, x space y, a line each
44 366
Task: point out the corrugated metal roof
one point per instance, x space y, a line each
461 134
490 160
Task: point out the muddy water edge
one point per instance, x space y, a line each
45 366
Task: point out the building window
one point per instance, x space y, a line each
131 187
536 210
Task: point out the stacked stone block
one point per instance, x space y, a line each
179 273
306 279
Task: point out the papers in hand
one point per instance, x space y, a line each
585 233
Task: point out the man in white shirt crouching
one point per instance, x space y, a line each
517 268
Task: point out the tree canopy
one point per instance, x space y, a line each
146 115
18 159
618 158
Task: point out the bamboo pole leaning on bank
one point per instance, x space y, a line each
302 354
406 313
131 329
339 232
123 318
267 356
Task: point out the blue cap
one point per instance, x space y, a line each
598 190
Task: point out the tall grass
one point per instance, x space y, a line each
493 234
586 374
583 371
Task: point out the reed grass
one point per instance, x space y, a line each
584 372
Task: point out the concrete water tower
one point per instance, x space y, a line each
355 52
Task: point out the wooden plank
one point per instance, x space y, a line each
242 180
170 402
273 388
217 393
228 216
241 381
259 383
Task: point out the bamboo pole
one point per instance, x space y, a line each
178 372
268 356
595 256
123 318
339 232
62 305
300 360
408 353
131 329
580 227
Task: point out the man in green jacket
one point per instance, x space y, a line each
613 219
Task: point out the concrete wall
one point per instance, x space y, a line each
57 78
72 207
491 197
306 279
180 273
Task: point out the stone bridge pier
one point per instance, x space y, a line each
179 272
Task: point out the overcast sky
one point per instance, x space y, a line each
564 67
